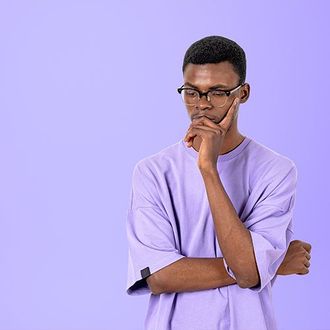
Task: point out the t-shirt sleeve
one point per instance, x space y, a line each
151 240
270 226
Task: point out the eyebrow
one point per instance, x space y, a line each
212 87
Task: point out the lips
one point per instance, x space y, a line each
207 116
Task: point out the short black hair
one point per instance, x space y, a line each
216 49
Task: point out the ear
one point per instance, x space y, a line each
244 93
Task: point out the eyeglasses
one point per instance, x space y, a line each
217 97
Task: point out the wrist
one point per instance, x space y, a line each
208 169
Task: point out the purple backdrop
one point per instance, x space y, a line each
88 88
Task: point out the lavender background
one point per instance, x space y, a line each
88 88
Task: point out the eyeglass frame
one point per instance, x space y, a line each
200 94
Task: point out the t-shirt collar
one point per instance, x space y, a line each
228 155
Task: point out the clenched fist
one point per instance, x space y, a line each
296 260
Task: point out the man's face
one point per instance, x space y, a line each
206 76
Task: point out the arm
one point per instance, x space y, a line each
234 239
190 274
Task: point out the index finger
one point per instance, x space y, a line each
225 122
205 120
307 246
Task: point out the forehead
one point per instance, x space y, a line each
209 74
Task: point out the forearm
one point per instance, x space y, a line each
234 239
193 274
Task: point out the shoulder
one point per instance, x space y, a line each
269 166
160 161
149 178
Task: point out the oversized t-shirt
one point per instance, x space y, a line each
169 218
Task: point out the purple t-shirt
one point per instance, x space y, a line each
169 218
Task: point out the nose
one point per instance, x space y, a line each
203 103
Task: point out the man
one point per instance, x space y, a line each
209 223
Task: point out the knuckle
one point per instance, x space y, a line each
295 242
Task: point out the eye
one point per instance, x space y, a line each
218 93
191 92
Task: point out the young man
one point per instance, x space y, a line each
209 223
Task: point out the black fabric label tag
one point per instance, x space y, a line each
145 272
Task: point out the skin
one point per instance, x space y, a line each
212 132
193 274
205 76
